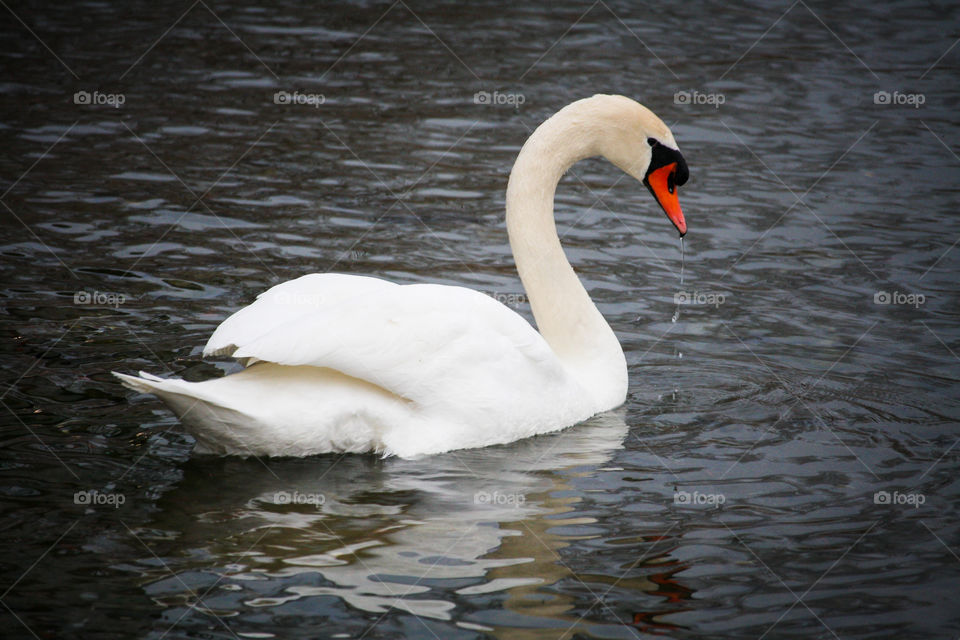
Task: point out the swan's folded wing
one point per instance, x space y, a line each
422 342
287 302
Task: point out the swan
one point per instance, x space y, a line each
352 364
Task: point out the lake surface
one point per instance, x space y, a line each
787 462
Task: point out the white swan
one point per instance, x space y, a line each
343 363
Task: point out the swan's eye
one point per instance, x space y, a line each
652 142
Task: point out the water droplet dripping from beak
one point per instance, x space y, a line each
676 313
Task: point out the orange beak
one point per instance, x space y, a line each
662 186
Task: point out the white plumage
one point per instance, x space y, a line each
367 364
345 363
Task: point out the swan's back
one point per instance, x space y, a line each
368 365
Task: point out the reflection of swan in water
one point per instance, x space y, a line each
526 601
389 533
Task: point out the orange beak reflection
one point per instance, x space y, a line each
662 186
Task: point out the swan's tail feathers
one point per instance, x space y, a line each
218 429
181 396
146 383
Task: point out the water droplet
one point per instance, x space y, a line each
682 261
676 313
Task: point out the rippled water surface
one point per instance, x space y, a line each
785 466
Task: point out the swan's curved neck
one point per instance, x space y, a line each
566 316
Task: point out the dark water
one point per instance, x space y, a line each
738 494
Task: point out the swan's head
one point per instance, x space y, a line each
636 140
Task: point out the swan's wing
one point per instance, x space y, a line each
287 302
423 342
